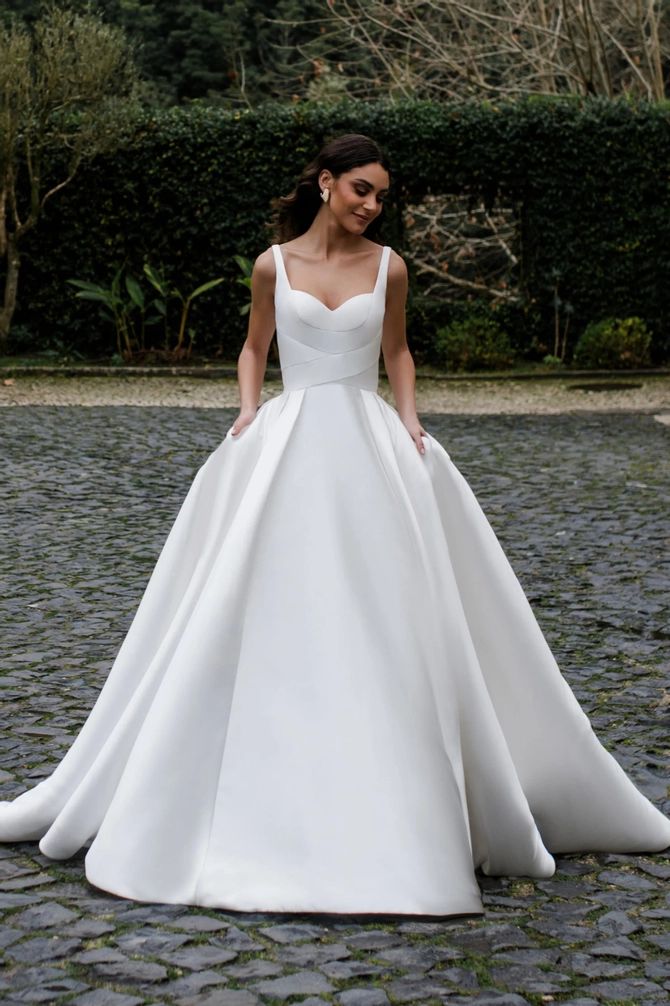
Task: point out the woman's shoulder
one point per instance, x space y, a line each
264 264
397 270
396 263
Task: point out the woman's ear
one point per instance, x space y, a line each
325 177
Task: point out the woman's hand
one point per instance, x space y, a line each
415 430
245 417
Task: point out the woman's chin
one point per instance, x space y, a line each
359 223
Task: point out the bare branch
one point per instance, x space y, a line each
472 48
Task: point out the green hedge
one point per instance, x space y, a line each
589 180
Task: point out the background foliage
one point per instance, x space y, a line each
237 53
192 187
243 52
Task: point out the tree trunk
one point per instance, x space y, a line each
13 263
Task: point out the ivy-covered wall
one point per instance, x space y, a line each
589 179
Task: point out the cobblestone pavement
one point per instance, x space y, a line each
579 502
465 396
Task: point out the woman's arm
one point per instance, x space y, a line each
397 357
253 357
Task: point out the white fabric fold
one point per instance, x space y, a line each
334 695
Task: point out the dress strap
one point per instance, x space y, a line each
279 265
380 285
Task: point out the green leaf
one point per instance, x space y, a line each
83 284
206 286
135 291
157 282
245 264
100 296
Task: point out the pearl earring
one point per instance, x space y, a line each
325 195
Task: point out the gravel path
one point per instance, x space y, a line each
579 503
466 397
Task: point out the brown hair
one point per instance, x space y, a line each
295 212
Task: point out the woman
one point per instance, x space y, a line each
334 696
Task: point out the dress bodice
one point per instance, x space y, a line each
320 345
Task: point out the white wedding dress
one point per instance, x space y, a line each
334 696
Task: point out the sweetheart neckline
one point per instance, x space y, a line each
332 310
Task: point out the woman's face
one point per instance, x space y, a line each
356 196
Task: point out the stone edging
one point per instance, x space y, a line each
216 372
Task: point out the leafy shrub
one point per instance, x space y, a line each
475 343
192 188
614 343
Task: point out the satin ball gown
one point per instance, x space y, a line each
334 695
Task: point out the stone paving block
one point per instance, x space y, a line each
658 969
198 956
373 940
491 998
90 928
662 941
197 923
421 928
192 984
223 997
620 947
627 881
18 978
237 939
33 880
312 955
363 997
590 967
292 933
462 978
99 955
44 916
50 992
491 938
150 941
628 988
155 914
8 900
661 870
618 924
529 956
415 958
258 968
415 989
42 948
529 980
566 933
298 983
342 970
128 971
9 936
106 997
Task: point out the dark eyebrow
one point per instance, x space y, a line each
364 181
